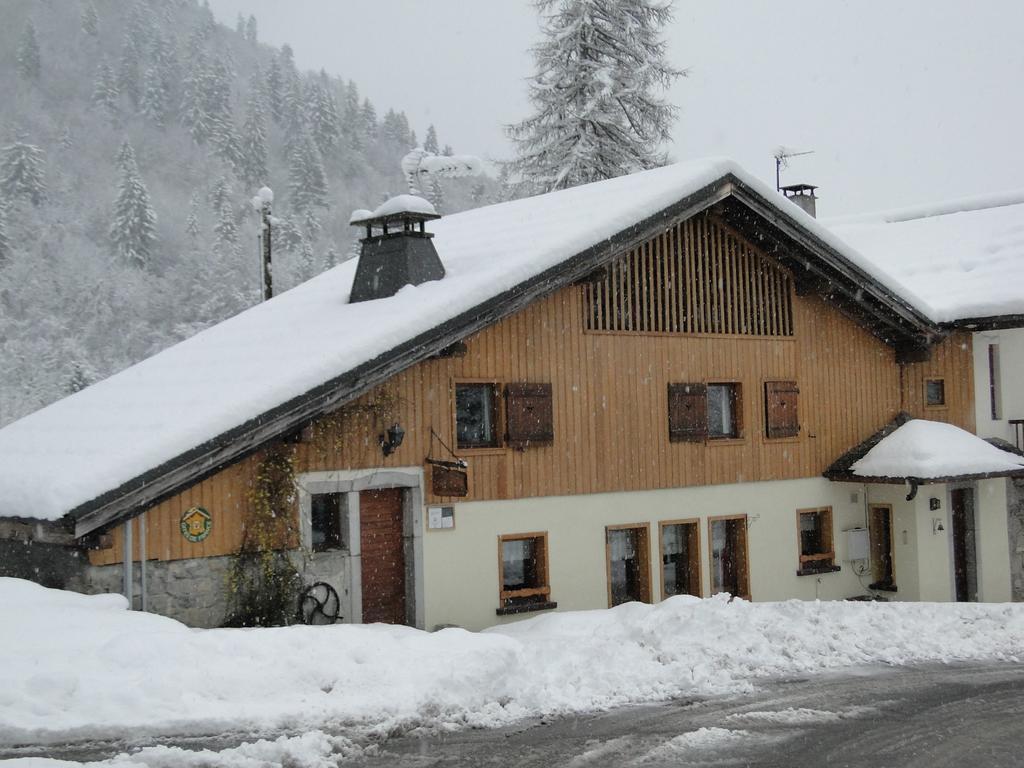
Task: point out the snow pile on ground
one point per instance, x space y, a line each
926 449
84 667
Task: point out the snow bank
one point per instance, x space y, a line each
86 667
927 449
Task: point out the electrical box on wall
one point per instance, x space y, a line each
858 546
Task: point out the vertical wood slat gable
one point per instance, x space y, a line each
608 396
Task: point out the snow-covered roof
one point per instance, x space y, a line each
928 450
138 421
964 258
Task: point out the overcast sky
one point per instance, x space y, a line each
902 102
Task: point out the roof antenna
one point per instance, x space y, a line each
782 155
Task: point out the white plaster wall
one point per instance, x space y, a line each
994 580
1011 363
461 564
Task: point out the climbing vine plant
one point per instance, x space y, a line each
263 581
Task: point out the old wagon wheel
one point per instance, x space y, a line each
319 604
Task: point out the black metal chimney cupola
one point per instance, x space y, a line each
397 250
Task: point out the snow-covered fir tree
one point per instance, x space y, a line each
193 103
597 113
133 229
275 89
353 118
22 174
251 34
90 20
128 82
430 142
324 122
192 226
369 121
156 98
5 244
29 63
104 93
306 179
253 166
240 24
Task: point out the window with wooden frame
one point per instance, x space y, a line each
680 558
780 409
523 573
935 393
814 532
327 512
627 554
476 415
730 559
529 415
725 411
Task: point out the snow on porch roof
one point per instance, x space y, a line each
965 257
117 435
926 451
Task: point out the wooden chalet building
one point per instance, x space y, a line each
623 391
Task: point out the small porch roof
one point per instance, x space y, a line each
920 451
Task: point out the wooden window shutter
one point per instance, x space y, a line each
780 408
529 418
687 413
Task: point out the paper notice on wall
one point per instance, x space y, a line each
440 517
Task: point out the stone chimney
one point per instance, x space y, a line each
803 195
397 250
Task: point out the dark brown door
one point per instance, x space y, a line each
965 553
383 556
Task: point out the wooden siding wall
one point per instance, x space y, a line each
610 412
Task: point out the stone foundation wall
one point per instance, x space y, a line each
1015 521
195 591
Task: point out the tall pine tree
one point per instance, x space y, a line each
596 111
253 166
307 181
29 64
21 173
90 20
430 143
105 94
133 229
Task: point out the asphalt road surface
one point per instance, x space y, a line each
967 715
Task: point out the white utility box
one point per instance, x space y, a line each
858 544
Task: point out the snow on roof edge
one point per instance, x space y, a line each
928 210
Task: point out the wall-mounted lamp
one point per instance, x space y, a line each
393 439
934 504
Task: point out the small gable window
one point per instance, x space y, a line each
780 409
475 416
935 393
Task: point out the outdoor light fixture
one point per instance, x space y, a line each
393 439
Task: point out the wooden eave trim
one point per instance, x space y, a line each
201 462
848 477
990 323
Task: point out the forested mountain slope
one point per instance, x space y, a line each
133 134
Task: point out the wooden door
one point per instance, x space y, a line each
965 553
883 569
383 556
